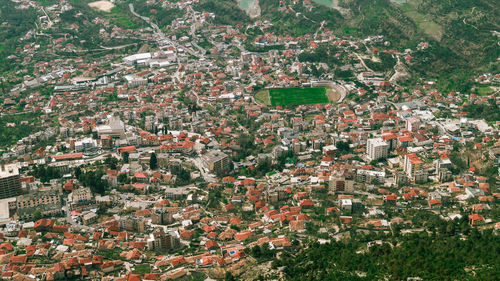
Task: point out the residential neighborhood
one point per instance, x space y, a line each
175 155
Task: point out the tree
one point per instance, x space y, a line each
153 162
111 162
125 157
256 252
93 179
78 172
183 177
229 276
37 215
45 173
122 178
343 147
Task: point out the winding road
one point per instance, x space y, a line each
363 62
161 35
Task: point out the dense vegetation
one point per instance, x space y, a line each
444 254
25 124
87 34
459 34
489 111
226 12
292 23
326 54
162 17
92 179
18 22
380 17
387 62
46 173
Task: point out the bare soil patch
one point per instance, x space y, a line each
332 94
104 6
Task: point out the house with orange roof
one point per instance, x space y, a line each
64 157
241 236
18 259
297 225
306 203
476 219
211 245
413 166
390 198
435 203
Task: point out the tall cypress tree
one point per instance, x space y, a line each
153 162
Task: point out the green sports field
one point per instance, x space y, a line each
298 96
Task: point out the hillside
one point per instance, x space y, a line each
462 35
14 24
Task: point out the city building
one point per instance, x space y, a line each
114 128
133 224
10 182
46 202
275 195
81 199
412 124
82 194
368 176
377 148
216 162
162 217
176 193
37 198
341 184
412 165
161 241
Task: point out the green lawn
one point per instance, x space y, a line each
142 268
328 3
48 2
484 91
298 96
121 18
425 23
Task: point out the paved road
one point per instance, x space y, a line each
70 220
161 35
206 176
363 62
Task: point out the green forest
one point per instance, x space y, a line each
227 12
461 42
417 255
448 250
10 135
19 22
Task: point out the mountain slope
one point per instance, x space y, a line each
461 34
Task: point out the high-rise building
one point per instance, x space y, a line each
217 162
160 240
162 217
377 148
412 124
413 166
339 183
10 182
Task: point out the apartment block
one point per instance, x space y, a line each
10 182
377 148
